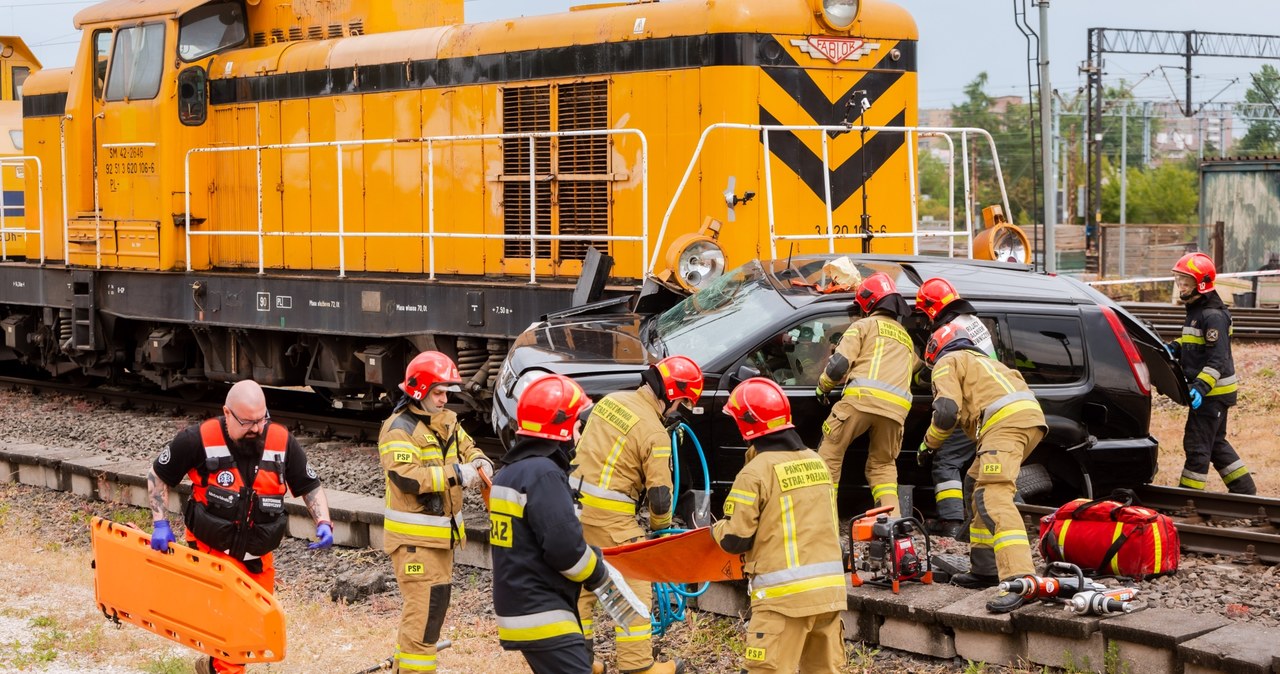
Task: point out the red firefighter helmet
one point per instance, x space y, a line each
873 289
941 339
681 379
1200 268
934 296
549 408
760 407
428 369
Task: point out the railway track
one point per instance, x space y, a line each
1245 528
293 409
1263 324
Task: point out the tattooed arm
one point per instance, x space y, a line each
157 495
317 505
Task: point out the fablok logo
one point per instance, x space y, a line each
835 49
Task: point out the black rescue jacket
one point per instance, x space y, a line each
540 560
1205 349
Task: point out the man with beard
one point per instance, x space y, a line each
240 466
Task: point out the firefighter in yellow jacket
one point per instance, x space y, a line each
625 455
428 460
993 404
781 515
874 361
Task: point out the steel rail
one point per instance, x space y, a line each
1247 323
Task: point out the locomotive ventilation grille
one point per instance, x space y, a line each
574 200
297 33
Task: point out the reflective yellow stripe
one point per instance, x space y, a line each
1235 475
505 507
937 433
835 514
741 496
606 474
1115 560
419 530
880 490
1191 339
588 627
1007 410
948 493
607 504
1159 547
1004 539
412 662
789 532
401 445
583 568
1003 381
877 393
1185 481
662 452
1062 537
638 633
876 356
1207 378
942 371
819 583
549 631
1223 390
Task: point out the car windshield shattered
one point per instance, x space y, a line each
731 307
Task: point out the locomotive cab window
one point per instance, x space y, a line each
19 77
1047 349
138 62
101 56
210 29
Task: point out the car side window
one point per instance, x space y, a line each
1047 349
796 356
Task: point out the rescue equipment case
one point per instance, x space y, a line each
1111 536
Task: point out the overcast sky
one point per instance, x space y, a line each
958 38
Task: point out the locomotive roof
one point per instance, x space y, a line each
119 10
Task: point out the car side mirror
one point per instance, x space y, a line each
744 373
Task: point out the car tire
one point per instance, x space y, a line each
1034 480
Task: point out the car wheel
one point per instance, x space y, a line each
1034 480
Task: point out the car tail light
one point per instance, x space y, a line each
1138 366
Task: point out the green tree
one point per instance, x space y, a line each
1168 194
1263 136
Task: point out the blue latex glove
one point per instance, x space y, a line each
1196 399
161 535
324 532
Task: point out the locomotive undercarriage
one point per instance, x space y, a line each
346 339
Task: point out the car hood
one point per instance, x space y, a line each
584 344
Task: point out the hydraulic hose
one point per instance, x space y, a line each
671 598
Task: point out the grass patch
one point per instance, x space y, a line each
167 664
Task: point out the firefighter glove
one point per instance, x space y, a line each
161 536
923 454
484 466
324 532
1196 399
467 474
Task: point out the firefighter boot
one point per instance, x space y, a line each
669 667
202 665
1005 602
982 570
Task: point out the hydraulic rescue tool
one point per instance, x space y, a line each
1103 602
1061 581
890 555
390 662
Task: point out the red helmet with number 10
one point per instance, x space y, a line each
550 407
934 296
760 407
428 369
1200 268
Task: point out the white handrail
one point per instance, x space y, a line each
766 129
20 161
431 234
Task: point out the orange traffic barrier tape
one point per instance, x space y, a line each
189 597
689 557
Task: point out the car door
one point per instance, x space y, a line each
793 357
1165 372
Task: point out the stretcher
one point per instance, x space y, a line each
689 557
189 597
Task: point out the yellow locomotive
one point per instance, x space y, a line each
305 192
16 64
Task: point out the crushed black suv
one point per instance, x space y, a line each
1091 364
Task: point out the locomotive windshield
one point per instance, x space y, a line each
209 29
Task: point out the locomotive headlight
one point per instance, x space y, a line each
1004 243
696 260
840 14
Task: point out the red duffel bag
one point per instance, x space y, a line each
1111 536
